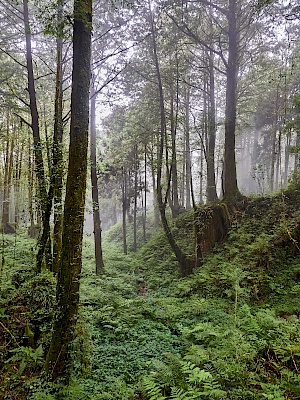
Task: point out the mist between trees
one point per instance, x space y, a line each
186 103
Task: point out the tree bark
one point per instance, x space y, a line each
274 140
188 162
287 157
30 185
174 175
297 155
211 191
278 174
39 163
95 192
135 198
17 184
124 209
57 151
230 177
145 195
56 365
8 168
185 264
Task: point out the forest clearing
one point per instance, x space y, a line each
149 188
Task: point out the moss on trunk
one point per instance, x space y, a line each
58 357
211 227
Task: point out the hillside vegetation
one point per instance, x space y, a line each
231 330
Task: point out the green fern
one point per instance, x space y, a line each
195 375
197 355
272 392
152 389
181 394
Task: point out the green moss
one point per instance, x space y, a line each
231 330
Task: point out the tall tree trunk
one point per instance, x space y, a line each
39 163
273 159
124 209
278 174
8 168
95 191
57 151
145 194
297 155
274 139
135 198
185 264
254 149
211 191
174 175
30 185
17 185
230 178
114 208
48 161
154 186
67 295
155 204
287 157
201 185
188 162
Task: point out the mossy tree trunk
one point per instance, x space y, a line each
57 150
211 225
58 357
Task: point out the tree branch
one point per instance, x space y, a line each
108 82
185 29
17 96
12 57
213 5
24 120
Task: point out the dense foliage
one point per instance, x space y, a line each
229 331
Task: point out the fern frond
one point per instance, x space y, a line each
152 389
197 355
195 374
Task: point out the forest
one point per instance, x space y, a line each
150 191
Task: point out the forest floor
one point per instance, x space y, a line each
231 330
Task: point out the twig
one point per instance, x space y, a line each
8 331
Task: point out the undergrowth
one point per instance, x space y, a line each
229 331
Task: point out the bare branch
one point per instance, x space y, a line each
17 96
43 76
12 57
108 81
120 51
23 120
66 117
213 5
46 64
185 29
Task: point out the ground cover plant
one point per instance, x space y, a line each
231 330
